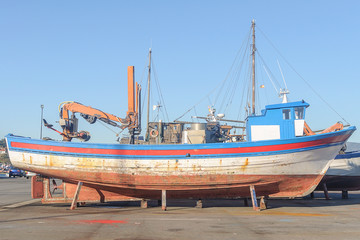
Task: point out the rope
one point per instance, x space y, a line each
106 126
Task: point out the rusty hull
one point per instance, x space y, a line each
207 186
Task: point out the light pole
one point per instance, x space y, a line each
41 123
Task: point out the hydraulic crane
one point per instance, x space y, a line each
69 123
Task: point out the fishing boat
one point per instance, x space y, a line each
281 156
343 173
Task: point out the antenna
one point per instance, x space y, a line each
283 92
282 74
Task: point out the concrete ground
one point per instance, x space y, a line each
24 218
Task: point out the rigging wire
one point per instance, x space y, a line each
220 85
233 87
282 74
159 89
306 82
106 126
144 95
263 82
233 64
211 103
271 80
162 101
258 102
249 90
246 93
142 75
241 110
141 80
195 115
270 74
236 73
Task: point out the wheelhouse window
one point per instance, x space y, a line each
299 113
286 113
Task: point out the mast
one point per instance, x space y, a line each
148 99
253 66
131 101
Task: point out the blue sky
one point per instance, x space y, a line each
55 51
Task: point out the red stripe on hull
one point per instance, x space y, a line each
239 149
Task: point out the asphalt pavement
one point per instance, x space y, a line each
305 218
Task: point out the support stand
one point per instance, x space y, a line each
253 198
163 200
326 193
199 203
344 194
76 196
144 203
263 204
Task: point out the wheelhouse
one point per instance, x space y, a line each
277 121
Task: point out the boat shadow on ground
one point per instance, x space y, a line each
177 206
319 200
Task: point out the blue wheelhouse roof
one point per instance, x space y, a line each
287 105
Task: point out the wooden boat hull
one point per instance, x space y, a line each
281 168
343 173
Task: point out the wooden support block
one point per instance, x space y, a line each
144 203
76 196
344 194
47 193
263 203
253 198
326 193
199 203
163 200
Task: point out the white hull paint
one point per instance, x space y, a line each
345 167
310 162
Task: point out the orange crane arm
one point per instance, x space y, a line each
307 130
90 114
76 107
336 127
